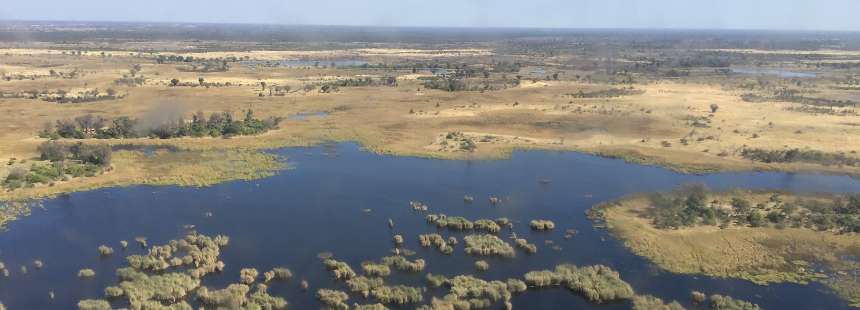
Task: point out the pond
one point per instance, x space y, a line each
305 115
775 72
319 205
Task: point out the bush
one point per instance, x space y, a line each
86 273
719 302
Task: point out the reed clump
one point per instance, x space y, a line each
482 265
340 270
487 244
461 223
524 244
278 274
365 307
92 304
477 292
375 269
403 264
38 264
113 291
105 250
648 302
86 273
720 302
436 280
235 296
398 294
542 225
596 283
516 285
437 241
248 275
364 285
333 299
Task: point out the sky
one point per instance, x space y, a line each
684 14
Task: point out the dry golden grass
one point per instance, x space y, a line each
762 255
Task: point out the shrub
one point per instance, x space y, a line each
86 273
719 302
524 244
363 285
248 275
436 280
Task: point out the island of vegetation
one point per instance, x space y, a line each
764 237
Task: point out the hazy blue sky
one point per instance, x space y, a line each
744 14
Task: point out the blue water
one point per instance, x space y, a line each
775 72
316 206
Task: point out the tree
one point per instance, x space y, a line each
263 85
200 80
714 108
174 82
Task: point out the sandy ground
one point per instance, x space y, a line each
669 123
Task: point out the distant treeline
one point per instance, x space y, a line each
607 93
66 160
789 95
217 124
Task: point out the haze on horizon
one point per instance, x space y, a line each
682 14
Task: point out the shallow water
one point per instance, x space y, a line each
305 115
775 72
285 220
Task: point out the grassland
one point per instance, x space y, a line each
763 255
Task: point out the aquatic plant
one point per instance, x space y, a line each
333 299
698 297
436 280
418 206
105 250
124 244
141 241
503 221
525 245
487 244
516 285
452 240
340 270
436 240
113 291
398 294
596 283
23 269
365 307
482 265
364 285
398 239
487 225
720 302
375 270
260 299
86 273
471 288
304 284
648 302
231 297
542 225
468 199
164 288
248 275
403 264
93 304
278 273
38 264
494 200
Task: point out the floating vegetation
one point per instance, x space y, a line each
436 240
487 244
86 273
248 275
419 206
38 264
364 285
461 223
524 244
398 240
398 294
93 304
340 270
495 200
334 299
141 241
542 225
482 265
278 273
369 307
720 302
375 270
516 285
124 244
105 250
436 280
596 283
648 302
403 264
468 199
